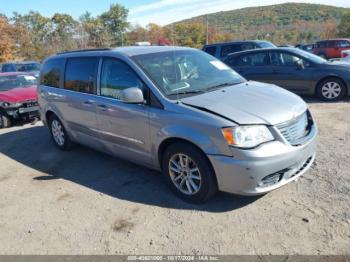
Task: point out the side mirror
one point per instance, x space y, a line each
299 64
132 95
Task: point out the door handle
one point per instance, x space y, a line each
102 107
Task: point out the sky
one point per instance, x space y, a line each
143 12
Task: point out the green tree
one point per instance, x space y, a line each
344 26
115 22
93 31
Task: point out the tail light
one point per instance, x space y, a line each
344 55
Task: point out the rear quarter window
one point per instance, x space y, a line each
52 72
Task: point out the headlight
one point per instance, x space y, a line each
10 105
247 136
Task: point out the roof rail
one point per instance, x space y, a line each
84 50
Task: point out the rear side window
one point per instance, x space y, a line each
211 50
258 59
331 44
52 72
227 49
81 74
116 76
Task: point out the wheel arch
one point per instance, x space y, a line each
172 140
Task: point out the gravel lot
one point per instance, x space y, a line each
86 202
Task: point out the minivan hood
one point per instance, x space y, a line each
250 103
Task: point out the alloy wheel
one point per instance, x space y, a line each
57 132
185 174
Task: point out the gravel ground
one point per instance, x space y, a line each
86 202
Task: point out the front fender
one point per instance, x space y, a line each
210 142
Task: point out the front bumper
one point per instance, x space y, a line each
23 113
260 170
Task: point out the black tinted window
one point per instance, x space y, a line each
321 44
52 72
116 76
211 50
258 59
81 74
227 49
331 44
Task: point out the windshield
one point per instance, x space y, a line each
185 72
311 57
15 81
28 67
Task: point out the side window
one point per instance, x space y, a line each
211 50
321 44
284 59
258 59
248 46
331 44
116 76
52 72
343 44
231 60
227 49
81 74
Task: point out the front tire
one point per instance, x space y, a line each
59 134
189 173
5 121
331 89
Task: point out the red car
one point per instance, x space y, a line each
18 98
331 48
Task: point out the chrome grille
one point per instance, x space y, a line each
293 131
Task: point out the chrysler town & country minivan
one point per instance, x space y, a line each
180 111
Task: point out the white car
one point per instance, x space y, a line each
345 56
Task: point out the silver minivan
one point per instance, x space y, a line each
180 111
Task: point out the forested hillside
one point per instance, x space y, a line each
284 23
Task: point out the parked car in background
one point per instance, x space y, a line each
345 56
8 67
331 48
308 47
181 111
31 67
222 50
295 70
18 98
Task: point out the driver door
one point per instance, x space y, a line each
287 74
123 128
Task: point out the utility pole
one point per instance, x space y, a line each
207 31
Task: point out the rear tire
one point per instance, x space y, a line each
5 121
331 89
189 173
59 134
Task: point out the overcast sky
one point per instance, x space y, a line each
145 11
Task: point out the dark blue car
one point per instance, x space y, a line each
295 70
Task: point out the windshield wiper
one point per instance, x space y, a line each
187 92
220 86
